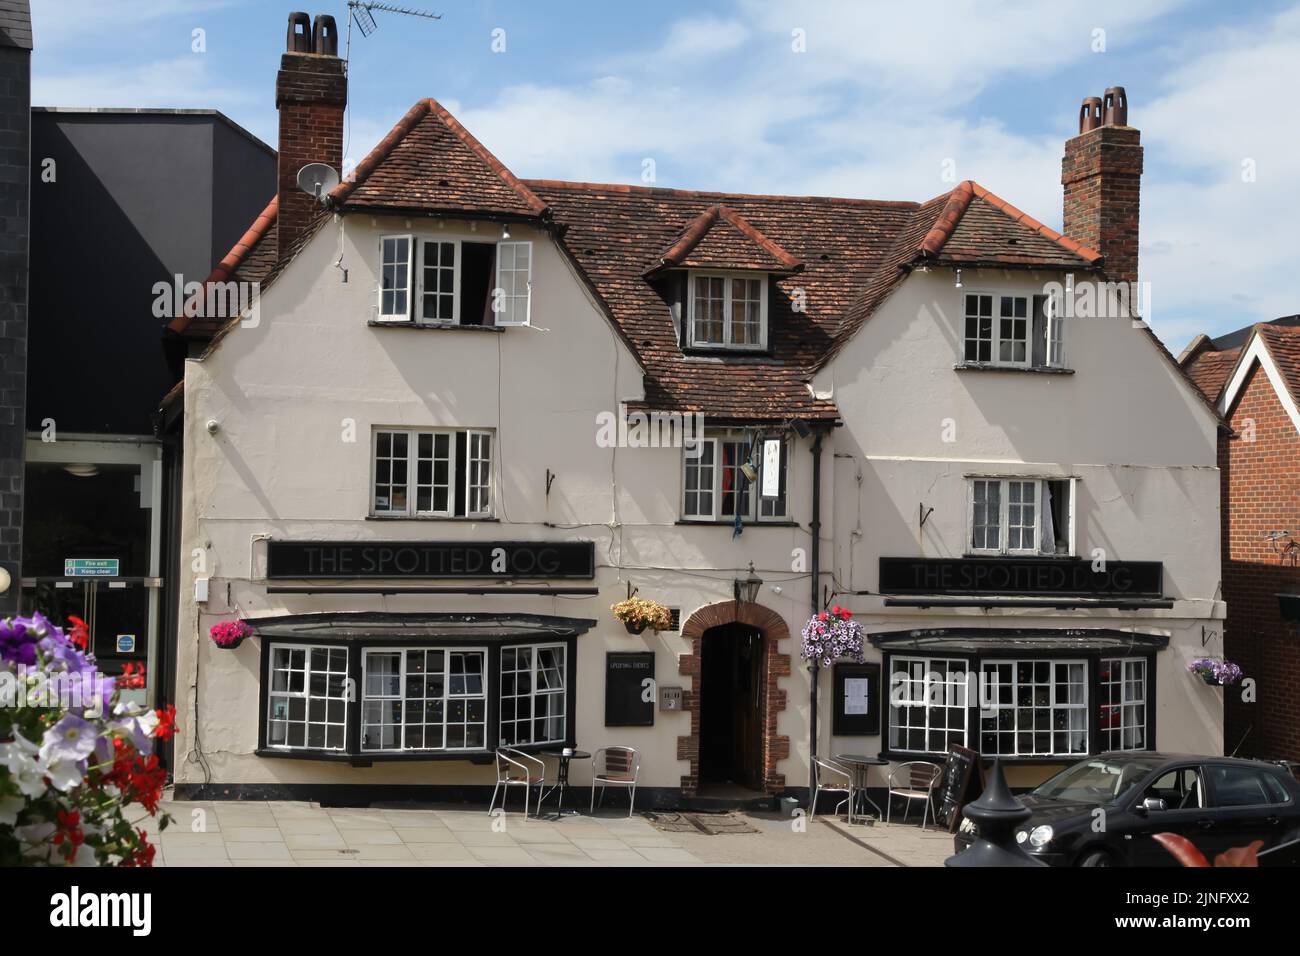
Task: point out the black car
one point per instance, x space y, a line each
1103 810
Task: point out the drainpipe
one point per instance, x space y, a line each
815 527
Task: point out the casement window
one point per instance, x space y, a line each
1122 721
1034 708
443 473
1019 708
533 699
1019 331
928 704
454 281
1021 516
714 486
307 698
726 311
363 699
424 698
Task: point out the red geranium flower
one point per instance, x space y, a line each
79 634
166 723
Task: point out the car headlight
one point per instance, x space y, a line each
1022 836
1040 836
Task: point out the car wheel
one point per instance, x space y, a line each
1096 858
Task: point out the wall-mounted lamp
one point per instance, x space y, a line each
746 589
959 278
505 231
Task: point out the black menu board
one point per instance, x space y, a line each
960 784
857 700
629 699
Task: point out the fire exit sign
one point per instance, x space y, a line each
90 567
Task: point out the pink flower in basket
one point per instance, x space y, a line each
229 633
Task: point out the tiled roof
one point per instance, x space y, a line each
834 261
430 163
1283 344
721 238
1209 370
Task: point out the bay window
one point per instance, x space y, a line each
442 281
1020 516
714 486
1018 707
444 473
726 311
415 700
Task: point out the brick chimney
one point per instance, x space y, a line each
311 91
1101 173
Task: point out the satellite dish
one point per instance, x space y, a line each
317 179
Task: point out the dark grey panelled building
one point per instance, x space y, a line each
122 200
15 102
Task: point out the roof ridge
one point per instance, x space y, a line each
702 225
431 107
224 269
712 194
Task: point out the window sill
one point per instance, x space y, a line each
722 352
365 759
994 367
428 518
731 522
439 326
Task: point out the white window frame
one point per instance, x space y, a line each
995 706
306 696
417 305
448 696
404 315
507 316
1004 528
412 472
1126 705
725 345
948 687
414 311
754 513
533 694
1053 332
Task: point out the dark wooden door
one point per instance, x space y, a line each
748 701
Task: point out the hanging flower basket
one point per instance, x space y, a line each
228 635
832 636
1215 671
638 613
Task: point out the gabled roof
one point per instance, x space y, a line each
721 238
1209 370
429 163
850 254
1276 350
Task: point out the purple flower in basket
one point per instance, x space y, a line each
229 633
832 636
1215 670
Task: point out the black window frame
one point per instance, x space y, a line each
355 646
1091 656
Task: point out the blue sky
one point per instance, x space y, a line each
883 101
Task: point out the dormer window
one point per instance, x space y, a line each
1020 331
727 311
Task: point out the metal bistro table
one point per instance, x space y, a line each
561 778
861 765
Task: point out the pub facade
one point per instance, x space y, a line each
473 412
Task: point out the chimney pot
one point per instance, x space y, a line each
325 35
1115 110
298 38
1090 114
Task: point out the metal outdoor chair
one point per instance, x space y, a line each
615 767
913 780
832 778
517 769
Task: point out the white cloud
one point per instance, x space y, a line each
183 82
56 22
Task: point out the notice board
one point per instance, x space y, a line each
960 784
857 700
630 689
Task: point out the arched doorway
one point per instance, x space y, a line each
740 665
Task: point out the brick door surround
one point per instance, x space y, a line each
776 665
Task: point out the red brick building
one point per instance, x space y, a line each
1253 376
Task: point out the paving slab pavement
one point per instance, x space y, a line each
294 833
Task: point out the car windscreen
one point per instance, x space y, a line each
1096 781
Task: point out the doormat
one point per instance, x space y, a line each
710 824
